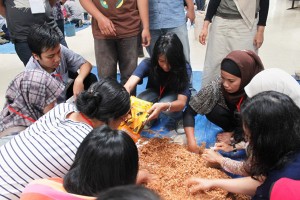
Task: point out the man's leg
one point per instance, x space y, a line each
128 56
23 51
106 57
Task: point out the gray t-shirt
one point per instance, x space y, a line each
73 10
70 61
228 9
19 18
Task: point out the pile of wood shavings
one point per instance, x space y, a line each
173 165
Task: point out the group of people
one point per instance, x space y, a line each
74 150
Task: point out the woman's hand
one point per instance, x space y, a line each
198 184
144 176
259 37
223 146
192 146
155 110
212 156
204 32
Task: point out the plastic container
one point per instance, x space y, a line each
70 30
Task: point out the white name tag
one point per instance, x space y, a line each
37 6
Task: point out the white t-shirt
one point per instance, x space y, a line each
45 149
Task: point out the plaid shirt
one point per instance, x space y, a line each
27 96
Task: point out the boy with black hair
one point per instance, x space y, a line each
59 61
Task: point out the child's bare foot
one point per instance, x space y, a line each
225 137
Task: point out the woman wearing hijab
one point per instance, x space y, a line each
235 25
272 79
30 95
220 99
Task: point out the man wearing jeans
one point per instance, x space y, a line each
169 16
20 15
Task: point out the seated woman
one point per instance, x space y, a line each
220 99
272 79
47 148
168 78
271 123
30 95
285 188
106 158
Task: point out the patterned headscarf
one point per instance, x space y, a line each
28 94
249 64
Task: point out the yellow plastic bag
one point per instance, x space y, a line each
139 115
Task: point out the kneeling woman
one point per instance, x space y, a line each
168 78
220 99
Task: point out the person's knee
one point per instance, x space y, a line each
149 95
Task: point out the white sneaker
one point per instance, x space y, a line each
179 127
3 41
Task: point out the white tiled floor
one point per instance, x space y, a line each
281 47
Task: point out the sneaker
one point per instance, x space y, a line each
179 127
3 41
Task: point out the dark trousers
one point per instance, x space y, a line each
219 116
88 81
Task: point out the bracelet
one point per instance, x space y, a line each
169 108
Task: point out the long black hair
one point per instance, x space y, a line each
106 158
272 122
105 100
170 46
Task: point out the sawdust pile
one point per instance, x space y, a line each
173 165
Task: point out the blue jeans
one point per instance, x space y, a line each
152 96
180 31
200 4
